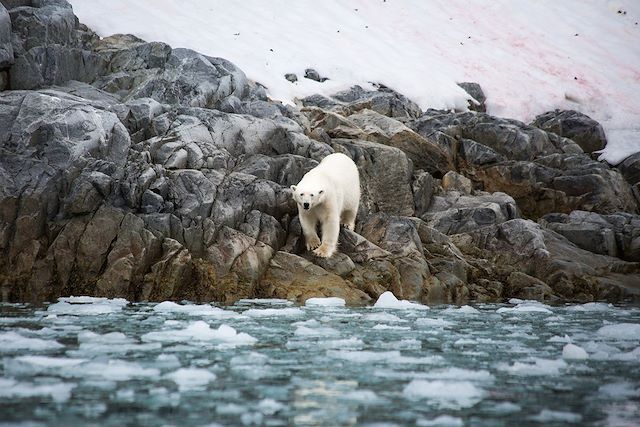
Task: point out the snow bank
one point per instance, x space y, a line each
529 57
621 331
446 394
388 300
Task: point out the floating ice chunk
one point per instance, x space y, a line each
269 406
194 310
620 391
274 312
441 421
574 352
33 365
92 343
316 332
325 302
557 338
366 397
537 368
363 356
347 343
390 327
58 391
191 378
406 344
525 307
12 341
433 323
108 338
445 394
388 300
506 408
629 356
383 317
264 301
460 374
200 331
167 361
549 416
591 306
621 331
112 370
87 306
465 309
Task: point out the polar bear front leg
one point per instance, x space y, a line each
309 230
330 232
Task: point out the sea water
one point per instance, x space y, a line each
108 362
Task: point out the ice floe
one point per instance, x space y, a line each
620 331
426 322
274 312
191 378
201 331
389 300
441 421
325 302
525 306
194 310
619 390
549 416
12 342
87 306
59 392
574 352
536 367
445 394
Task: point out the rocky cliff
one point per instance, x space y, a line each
138 170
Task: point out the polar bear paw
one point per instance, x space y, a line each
312 242
324 251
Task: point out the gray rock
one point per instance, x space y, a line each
291 77
630 169
616 235
475 91
312 74
385 176
582 129
455 212
6 49
453 181
43 24
53 65
422 187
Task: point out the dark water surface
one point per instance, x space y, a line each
89 361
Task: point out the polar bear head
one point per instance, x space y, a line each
307 197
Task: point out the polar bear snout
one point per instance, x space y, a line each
305 205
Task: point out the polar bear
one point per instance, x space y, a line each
328 194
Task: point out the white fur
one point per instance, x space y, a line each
332 192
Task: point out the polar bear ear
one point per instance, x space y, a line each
293 188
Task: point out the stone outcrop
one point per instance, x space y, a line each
132 169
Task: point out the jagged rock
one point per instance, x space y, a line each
453 181
44 23
616 235
455 212
578 127
385 176
292 277
571 272
422 187
312 74
423 153
475 91
6 49
630 169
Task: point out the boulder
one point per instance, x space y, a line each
6 49
578 127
